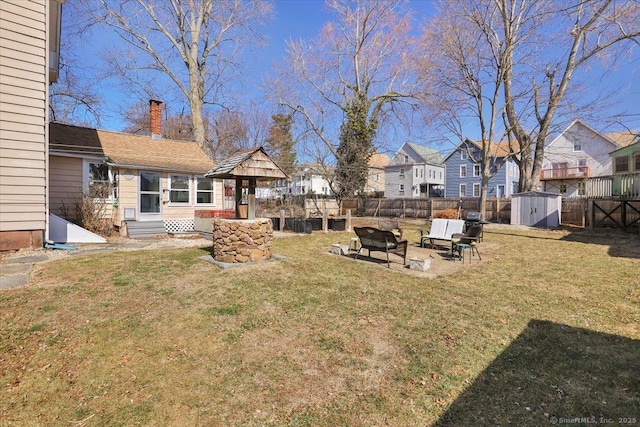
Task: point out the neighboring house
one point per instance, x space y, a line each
308 178
578 153
29 50
151 182
375 174
414 171
626 171
464 175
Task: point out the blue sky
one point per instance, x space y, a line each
304 19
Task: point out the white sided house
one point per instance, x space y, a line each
578 153
29 51
415 172
154 185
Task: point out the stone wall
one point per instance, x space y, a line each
242 240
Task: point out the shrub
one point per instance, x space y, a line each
447 214
90 211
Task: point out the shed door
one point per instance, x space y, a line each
533 211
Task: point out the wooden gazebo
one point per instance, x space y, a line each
247 167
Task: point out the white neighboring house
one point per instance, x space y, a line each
415 171
578 153
308 178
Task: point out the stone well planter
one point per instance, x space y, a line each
242 240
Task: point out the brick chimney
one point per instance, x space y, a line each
155 118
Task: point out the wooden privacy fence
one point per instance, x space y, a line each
497 210
583 212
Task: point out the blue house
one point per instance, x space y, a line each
463 172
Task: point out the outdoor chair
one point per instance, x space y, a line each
374 239
470 238
437 232
390 224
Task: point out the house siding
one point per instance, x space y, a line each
406 158
65 180
507 176
128 197
23 126
595 150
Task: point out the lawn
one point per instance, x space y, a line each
547 325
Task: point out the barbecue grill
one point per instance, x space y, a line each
472 219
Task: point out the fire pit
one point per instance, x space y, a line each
242 240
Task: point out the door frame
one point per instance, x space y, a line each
149 216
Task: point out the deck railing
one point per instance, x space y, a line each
566 173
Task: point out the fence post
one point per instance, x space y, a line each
347 226
325 221
591 214
281 219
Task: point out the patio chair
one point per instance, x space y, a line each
437 232
470 237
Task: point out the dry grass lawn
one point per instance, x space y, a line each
547 326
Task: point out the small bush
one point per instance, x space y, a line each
447 214
90 212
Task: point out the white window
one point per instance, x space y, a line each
401 189
476 190
476 170
421 173
401 175
99 181
463 155
416 173
406 158
463 171
179 186
463 190
577 145
205 191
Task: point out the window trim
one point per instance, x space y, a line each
476 185
577 143
401 173
111 178
626 158
463 168
464 155
460 187
476 167
212 191
188 190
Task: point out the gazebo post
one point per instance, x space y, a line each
238 196
251 199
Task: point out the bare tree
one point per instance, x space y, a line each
193 44
464 73
228 134
177 126
74 98
545 43
349 81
